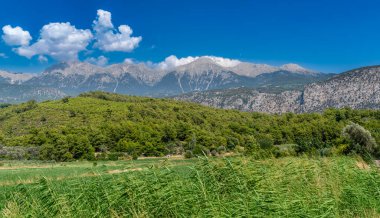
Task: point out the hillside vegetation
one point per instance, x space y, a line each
109 125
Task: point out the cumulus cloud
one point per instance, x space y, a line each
15 36
2 55
224 62
172 61
103 22
109 39
100 61
129 61
42 59
61 41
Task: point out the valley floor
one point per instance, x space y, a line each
214 187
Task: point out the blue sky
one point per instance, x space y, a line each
330 36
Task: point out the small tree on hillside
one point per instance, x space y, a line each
361 140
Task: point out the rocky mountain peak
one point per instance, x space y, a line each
73 68
139 71
170 77
200 65
15 78
296 68
253 70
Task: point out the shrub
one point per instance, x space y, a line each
361 140
25 107
4 105
135 156
285 150
214 153
251 145
188 154
265 141
200 151
115 155
221 149
65 99
19 153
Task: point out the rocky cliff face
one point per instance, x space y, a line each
247 100
356 89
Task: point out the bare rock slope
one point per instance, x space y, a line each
357 89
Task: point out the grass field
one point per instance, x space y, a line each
220 187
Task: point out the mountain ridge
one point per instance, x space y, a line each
199 74
357 89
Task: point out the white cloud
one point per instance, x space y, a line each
172 61
129 61
61 41
15 36
100 61
2 55
42 59
103 22
109 39
224 62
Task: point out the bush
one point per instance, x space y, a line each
285 150
188 154
115 156
214 153
135 156
19 153
265 141
200 151
251 145
221 149
361 140
65 99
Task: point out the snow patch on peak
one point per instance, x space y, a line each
172 61
224 62
295 68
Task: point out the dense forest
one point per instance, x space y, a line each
100 125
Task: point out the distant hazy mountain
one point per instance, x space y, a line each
202 74
20 93
358 89
14 78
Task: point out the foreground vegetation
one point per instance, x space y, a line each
105 126
290 165
220 187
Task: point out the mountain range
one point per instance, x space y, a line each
205 80
357 89
202 74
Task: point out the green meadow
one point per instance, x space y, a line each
201 187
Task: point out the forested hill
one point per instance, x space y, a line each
76 128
